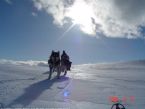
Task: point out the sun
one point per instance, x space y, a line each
81 14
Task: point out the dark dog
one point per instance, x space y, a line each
54 64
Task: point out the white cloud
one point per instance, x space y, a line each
34 14
29 62
53 7
112 18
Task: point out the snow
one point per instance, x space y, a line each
87 86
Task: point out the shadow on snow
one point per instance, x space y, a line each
34 91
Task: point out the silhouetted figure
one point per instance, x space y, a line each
65 62
54 63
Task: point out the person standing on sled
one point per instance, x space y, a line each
65 63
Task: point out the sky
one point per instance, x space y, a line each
90 31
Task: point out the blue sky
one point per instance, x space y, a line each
25 36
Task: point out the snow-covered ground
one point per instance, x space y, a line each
87 86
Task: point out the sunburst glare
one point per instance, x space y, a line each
81 14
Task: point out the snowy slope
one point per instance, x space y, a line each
87 86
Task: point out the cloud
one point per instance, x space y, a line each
112 18
8 1
29 62
34 14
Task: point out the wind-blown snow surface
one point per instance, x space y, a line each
87 86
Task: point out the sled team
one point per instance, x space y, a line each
58 64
